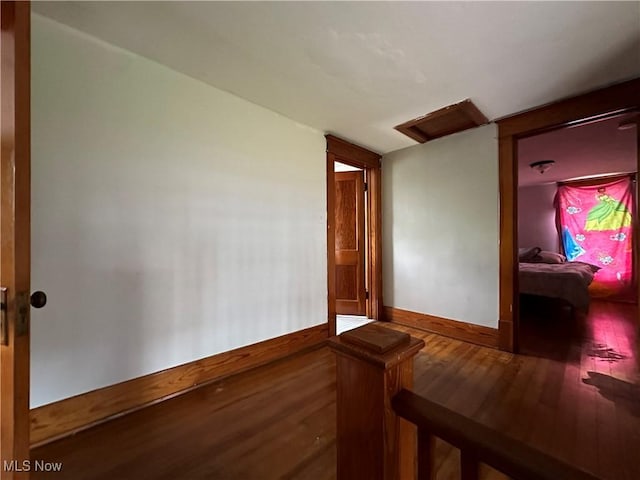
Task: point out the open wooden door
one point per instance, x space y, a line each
15 238
350 243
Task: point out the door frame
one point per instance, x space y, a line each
15 255
339 150
616 99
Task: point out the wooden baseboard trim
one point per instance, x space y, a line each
507 340
65 417
467 332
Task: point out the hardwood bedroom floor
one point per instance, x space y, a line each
578 400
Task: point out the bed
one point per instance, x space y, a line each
568 281
548 274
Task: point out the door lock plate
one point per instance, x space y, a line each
22 319
4 326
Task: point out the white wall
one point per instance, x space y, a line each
171 220
537 217
440 227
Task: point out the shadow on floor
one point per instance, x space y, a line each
623 394
550 328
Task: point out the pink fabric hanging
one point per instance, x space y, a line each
596 226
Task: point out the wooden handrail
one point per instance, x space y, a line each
377 417
477 443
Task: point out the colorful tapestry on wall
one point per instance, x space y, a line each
596 223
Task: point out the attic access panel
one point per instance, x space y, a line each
452 119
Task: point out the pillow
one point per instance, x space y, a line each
526 254
548 257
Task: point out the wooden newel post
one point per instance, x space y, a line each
373 364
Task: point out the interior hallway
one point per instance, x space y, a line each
581 404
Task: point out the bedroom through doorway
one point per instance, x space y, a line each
577 240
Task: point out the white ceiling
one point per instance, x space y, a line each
357 69
593 149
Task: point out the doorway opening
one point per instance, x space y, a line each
351 244
354 258
576 238
623 98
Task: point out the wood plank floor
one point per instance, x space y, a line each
575 394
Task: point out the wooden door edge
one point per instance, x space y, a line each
15 230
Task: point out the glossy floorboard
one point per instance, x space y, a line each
575 394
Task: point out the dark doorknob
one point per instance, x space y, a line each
38 299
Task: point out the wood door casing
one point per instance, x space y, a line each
350 243
339 150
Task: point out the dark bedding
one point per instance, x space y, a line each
569 281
